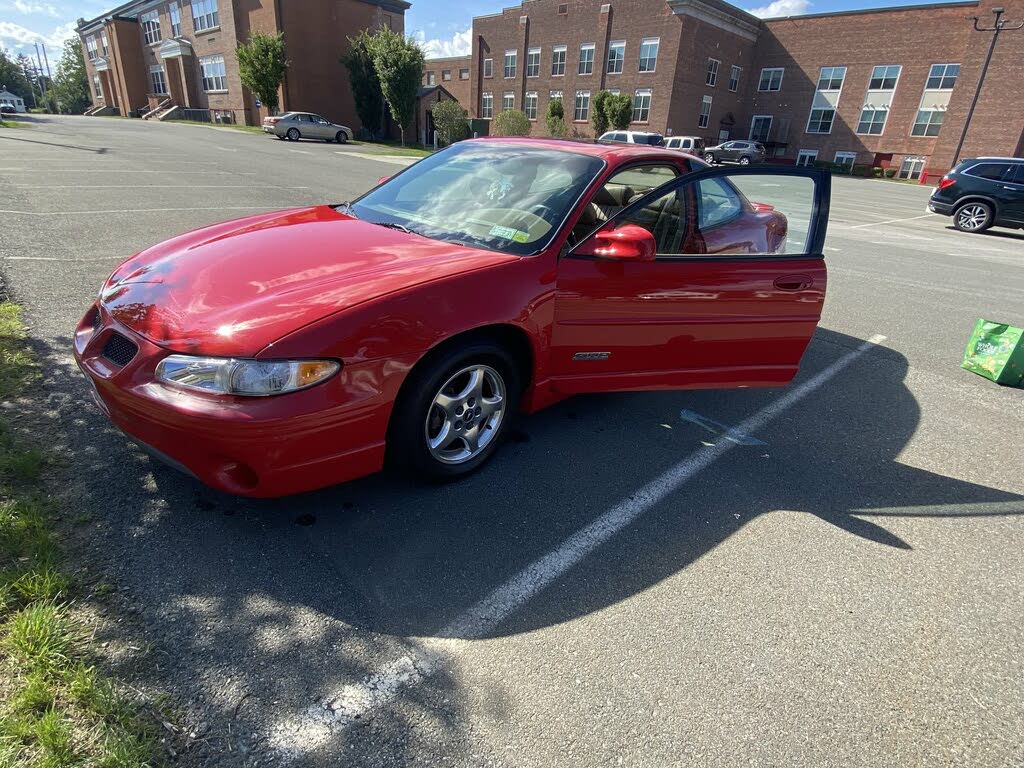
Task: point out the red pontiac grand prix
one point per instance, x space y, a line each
288 351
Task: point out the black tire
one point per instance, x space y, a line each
293 134
279 138
341 137
407 446
744 160
709 158
973 216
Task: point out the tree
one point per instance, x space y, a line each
555 119
362 77
399 65
511 122
261 66
71 84
598 116
28 68
12 76
618 109
450 121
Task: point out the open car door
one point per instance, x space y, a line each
715 279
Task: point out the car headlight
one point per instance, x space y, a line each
254 378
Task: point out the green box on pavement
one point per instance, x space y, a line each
996 351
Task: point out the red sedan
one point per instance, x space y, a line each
288 351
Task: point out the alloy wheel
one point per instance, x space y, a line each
972 217
465 414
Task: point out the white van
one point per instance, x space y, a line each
692 145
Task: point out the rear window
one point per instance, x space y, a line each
992 171
653 139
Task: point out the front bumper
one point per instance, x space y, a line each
262 447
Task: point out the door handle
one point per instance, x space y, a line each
793 282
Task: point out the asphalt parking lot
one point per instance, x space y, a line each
622 585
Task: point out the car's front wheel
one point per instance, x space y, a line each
973 217
744 160
454 410
293 134
341 137
709 158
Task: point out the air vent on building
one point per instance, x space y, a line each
523 19
606 8
563 9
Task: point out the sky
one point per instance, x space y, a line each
442 27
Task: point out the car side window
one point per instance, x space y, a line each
1019 178
990 171
742 215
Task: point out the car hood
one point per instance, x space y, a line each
233 288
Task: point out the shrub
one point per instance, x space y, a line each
862 170
618 109
890 173
555 119
876 172
598 116
557 127
511 122
450 121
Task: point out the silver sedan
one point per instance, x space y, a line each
305 125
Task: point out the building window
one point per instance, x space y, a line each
705 112
586 59
649 53
157 82
771 79
96 87
760 127
508 100
533 62
446 75
204 14
942 77
616 56
488 67
734 79
845 159
884 78
91 48
831 78
150 27
464 73
911 168
531 105
175 13
641 105
486 105
553 95
806 156
511 58
872 121
558 60
928 122
820 120
215 77
581 112
711 77
431 78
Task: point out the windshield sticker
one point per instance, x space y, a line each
509 233
499 188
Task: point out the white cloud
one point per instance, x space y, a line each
781 8
459 44
32 8
17 37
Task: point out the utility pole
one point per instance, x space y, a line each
49 74
42 74
995 29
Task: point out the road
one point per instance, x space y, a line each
621 585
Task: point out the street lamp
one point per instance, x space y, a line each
995 29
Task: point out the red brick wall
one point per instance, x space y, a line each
460 89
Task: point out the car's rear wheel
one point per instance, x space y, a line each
293 134
744 160
454 411
341 137
973 217
709 158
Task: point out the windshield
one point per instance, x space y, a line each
504 197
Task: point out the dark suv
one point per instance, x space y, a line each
982 192
742 152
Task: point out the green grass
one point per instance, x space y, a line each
392 148
247 128
13 124
57 710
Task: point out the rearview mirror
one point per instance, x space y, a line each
627 243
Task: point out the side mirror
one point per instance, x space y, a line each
627 243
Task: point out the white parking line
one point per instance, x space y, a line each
225 149
296 735
300 151
894 221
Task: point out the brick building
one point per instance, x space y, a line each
180 54
452 74
886 87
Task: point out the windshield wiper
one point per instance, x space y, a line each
346 208
399 227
